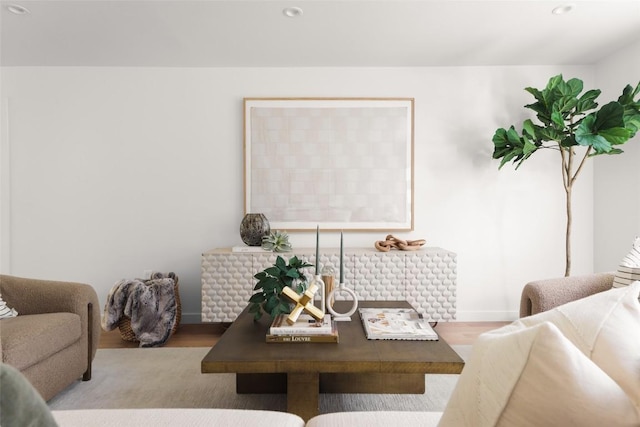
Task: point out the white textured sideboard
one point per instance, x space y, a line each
425 278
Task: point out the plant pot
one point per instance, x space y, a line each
253 227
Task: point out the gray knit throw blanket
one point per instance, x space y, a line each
151 306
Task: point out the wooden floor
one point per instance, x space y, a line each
207 334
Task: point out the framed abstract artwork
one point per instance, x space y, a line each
340 163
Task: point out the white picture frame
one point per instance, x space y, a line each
337 163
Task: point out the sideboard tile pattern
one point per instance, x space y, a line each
431 285
426 278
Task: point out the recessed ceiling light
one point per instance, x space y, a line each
561 10
292 12
17 9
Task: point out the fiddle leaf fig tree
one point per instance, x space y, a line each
571 123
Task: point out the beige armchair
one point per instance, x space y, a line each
54 338
543 295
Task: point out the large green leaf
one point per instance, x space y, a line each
294 261
631 108
501 152
513 137
257 298
553 82
598 142
271 303
557 119
536 94
628 94
550 134
528 148
568 141
271 286
542 112
616 136
506 159
261 275
267 281
587 101
576 86
283 307
287 280
586 135
585 129
529 128
611 152
609 116
500 138
293 273
632 122
273 271
566 104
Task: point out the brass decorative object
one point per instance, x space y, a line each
303 302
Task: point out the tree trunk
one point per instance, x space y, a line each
569 177
567 268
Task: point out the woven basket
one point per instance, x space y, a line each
124 325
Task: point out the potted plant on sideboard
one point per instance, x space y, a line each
268 297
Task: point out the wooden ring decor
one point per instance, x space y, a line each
303 302
331 300
392 242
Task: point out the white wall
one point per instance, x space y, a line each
117 170
617 178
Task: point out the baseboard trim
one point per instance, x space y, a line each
191 318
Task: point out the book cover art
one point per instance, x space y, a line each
396 324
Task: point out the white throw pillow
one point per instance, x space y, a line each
605 327
5 311
534 376
556 368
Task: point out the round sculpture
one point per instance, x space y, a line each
331 300
253 227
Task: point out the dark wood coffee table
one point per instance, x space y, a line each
354 365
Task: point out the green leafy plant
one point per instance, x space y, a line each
570 121
271 281
276 241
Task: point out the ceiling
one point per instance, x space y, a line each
246 33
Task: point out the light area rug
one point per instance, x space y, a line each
171 378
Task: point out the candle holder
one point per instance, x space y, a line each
321 292
328 278
341 317
344 317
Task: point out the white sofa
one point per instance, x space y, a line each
575 365
236 417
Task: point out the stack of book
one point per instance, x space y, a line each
305 330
